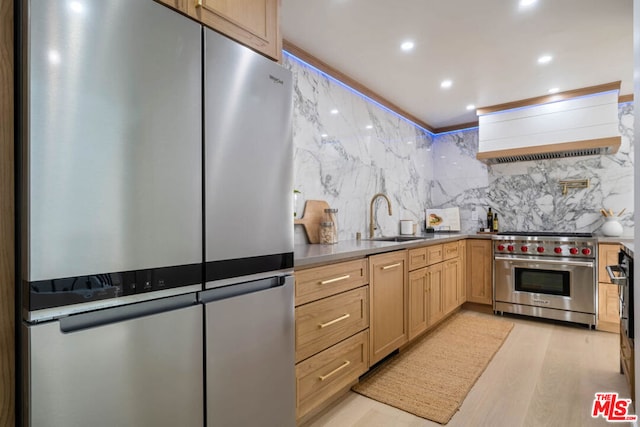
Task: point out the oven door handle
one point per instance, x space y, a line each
546 261
619 279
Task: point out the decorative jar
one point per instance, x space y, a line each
612 227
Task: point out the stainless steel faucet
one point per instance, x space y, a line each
372 220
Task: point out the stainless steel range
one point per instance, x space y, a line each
543 274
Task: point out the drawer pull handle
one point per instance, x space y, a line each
339 319
335 371
337 279
387 267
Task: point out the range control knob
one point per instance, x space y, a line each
501 247
573 251
557 250
524 249
511 248
586 251
540 249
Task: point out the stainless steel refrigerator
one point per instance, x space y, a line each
248 187
111 214
145 150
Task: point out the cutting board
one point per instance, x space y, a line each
312 216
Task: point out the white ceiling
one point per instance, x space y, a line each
488 48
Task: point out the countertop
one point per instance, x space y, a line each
308 254
628 248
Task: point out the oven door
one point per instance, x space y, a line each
557 283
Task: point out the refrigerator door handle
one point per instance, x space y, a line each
230 291
94 319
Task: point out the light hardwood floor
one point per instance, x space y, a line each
545 374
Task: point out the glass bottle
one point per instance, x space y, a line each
490 220
495 222
330 222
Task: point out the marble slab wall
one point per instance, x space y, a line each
527 195
349 148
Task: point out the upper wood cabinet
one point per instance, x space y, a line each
479 271
254 23
388 289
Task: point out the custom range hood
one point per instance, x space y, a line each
568 124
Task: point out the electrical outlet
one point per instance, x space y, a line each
474 214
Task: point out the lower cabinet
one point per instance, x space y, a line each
332 331
352 314
627 363
479 277
389 295
418 302
320 377
608 299
437 288
435 293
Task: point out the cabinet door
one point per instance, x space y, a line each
450 284
417 302
253 23
479 268
607 255
462 265
434 297
608 300
388 288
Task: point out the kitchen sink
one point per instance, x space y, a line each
397 238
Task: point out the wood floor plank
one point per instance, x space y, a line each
545 374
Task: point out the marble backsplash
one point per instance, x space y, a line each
348 148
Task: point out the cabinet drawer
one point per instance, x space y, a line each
417 258
326 373
319 282
434 254
323 323
450 250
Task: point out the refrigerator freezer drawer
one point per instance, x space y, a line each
144 371
250 357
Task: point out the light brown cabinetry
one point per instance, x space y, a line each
418 302
388 291
332 331
479 271
254 23
627 363
462 285
435 293
608 300
436 285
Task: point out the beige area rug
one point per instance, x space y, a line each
432 377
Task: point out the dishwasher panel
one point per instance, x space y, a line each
250 354
137 365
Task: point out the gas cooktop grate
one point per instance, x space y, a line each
544 233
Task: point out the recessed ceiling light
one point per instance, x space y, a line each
446 84
554 90
545 59
471 107
369 126
527 3
334 111
324 135
407 45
